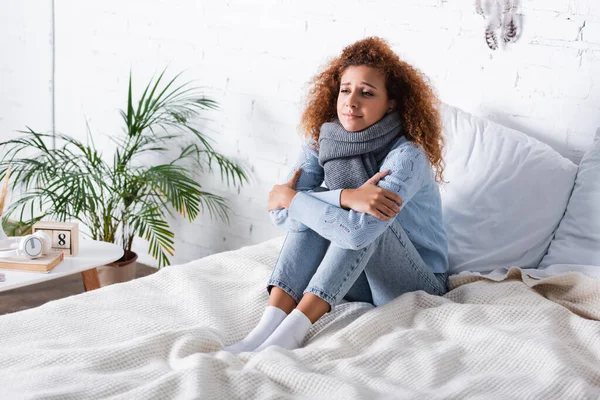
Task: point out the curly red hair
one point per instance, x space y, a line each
416 102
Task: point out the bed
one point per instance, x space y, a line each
521 318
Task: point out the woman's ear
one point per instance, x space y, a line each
391 105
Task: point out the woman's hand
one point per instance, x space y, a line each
281 195
371 199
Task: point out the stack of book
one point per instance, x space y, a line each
43 263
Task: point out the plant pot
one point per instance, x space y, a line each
116 272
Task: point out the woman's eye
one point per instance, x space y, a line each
364 93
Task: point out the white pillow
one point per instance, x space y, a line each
506 194
577 239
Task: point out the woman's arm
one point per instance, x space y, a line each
371 199
354 230
309 182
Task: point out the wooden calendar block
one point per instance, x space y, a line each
65 235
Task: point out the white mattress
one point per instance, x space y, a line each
160 337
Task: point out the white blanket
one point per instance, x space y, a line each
160 337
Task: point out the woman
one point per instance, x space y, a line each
376 232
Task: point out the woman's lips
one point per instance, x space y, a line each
352 116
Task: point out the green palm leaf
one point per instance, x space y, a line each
149 224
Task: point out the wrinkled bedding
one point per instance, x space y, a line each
508 336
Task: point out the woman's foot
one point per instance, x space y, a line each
290 333
270 320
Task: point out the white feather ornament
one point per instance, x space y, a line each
499 14
510 22
492 23
479 8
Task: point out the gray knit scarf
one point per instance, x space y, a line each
351 158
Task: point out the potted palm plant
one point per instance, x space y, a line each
129 194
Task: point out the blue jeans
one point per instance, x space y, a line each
377 273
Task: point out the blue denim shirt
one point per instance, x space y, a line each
411 177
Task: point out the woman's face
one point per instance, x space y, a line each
363 98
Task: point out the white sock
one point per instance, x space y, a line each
270 320
290 333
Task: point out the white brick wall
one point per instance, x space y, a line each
256 56
25 67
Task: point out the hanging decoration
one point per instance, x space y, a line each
501 21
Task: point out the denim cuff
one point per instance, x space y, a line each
283 286
317 292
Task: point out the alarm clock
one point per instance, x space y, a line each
29 246
64 235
